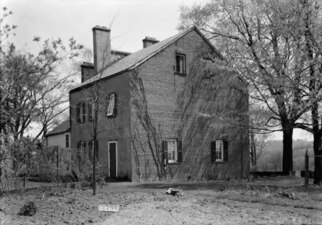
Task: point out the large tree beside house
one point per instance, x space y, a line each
33 87
162 111
275 46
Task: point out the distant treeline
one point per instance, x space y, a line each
271 157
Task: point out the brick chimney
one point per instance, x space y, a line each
148 41
102 47
87 71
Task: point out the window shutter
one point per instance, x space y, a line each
213 151
90 112
78 113
107 104
165 152
90 150
84 148
83 112
115 106
225 150
78 151
179 151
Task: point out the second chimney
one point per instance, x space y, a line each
148 41
102 47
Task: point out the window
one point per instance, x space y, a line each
82 147
91 150
111 105
67 140
172 151
80 151
219 150
80 112
180 63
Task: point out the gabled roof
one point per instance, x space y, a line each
59 129
137 58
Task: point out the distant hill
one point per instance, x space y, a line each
271 157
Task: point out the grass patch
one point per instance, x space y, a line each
303 200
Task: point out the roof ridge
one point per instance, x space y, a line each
137 58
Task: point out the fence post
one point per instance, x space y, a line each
306 170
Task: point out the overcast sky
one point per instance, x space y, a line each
130 20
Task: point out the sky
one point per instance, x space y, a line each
129 20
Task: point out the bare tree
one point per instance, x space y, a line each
311 24
263 41
32 85
96 99
31 91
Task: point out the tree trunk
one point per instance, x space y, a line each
287 150
317 159
253 152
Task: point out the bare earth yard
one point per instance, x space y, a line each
202 203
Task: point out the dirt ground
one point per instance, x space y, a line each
202 203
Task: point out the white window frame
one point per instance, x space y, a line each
111 105
219 151
174 151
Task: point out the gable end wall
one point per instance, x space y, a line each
167 105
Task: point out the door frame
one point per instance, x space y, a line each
116 158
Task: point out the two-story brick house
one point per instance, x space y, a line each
169 110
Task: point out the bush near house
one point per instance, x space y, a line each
51 162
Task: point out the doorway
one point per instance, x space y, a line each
112 153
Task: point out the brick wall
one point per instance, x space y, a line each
109 129
155 103
204 105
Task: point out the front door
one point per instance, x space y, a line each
112 150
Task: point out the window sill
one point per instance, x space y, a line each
219 161
180 74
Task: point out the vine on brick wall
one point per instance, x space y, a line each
143 119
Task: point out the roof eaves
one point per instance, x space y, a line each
120 52
83 86
57 133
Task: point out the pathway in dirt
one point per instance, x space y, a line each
205 207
